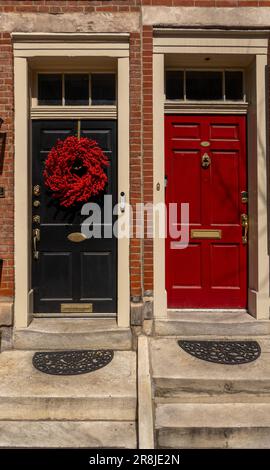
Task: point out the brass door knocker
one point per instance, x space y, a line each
206 160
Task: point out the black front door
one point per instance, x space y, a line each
67 276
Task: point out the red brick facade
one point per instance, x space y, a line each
141 126
7 167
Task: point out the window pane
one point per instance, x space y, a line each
204 85
76 89
234 85
49 89
174 85
103 88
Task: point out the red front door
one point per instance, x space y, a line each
206 167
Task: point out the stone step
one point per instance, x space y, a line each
56 333
175 372
107 394
223 323
223 425
68 434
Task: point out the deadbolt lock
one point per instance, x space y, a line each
36 219
206 160
244 197
36 190
36 203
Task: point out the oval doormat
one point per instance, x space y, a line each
71 362
223 352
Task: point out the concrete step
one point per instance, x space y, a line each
223 323
68 434
108 394
56 333
231 425
175 372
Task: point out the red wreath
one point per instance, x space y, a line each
74 170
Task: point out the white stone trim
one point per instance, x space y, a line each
20 37
202 108
205 45
75 112
36 45
23 240
123 300
160 296
258 288
145 401
22 181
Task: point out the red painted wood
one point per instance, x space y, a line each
208 273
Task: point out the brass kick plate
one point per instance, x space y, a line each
204 233
76 308
76 237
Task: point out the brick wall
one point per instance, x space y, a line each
135 157
6 167
68 6
141 132
147 62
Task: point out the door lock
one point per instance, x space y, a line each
36 190
36 219
36 238
244 197
122 201
206 160
244 223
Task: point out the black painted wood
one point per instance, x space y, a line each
68 272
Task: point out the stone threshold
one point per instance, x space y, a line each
72 333
207 322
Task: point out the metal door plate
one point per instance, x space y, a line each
76 308
76 237
205 233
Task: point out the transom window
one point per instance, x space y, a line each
76 89
205 85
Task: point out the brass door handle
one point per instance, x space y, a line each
36 238
244 223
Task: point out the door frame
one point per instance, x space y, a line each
26 47
231 43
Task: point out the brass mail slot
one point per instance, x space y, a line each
205 233
76 308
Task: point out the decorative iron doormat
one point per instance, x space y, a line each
71 362
223 352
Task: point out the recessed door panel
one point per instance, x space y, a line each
224 132
93 282
187 164
55 275
191 276
225 188
225 265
